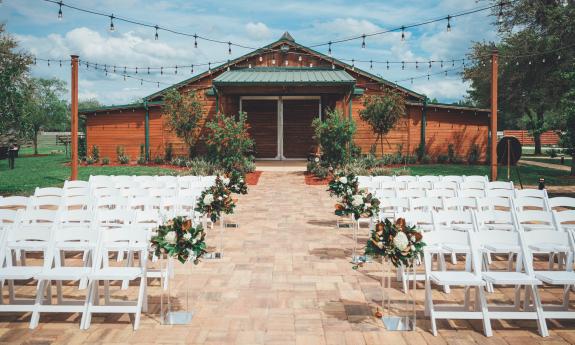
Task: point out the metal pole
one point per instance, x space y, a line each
494 65
74 115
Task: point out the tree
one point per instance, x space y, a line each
382 112
43 108
334 134
531 84
184 111
229 143
14 68
565 119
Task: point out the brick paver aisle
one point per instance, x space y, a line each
284 279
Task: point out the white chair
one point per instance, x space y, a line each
468 278
494 203
106 192
425 204
531 193
471 193
152 184
14 202
39 219
535 220
476 178
500 185
370 186
429 178
382 178
161 192
500 193
390 207
75 184
121 239
412 193
46 202
556 204
48 191
453 220
451 185
419 185
135 192
441 193
186 206
8 218
457 179
112 203
73 192
529 203
517 278
64 240
385 193
113 218
422 219
495 220
459 203
565 220
77 202
479 185
19 239
401 181
145 203
168 206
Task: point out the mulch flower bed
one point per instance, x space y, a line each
313 180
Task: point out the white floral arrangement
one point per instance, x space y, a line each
178 238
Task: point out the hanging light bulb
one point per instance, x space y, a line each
274 60
229 48
363 41
428 76
136 70
210 67
286 62
156 35
370 64
112 28
448 23
195 40
402 64
416 65
261 58
250 65
192 70
114 69
48 62
543 60
176 70
329 48
60 14
158 85
429 64
387 64
299 58
162 70
60 63
403 33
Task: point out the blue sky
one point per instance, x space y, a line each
35 25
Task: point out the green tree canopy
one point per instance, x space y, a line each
184 111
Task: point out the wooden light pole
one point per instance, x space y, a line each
74 113
494 69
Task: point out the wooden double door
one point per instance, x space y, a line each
281 125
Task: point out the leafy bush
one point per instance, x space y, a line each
473 155
442 158
183 112
90 160
334 135
168 153
380 171
158 160
95 153
82 151
426 159
552 153
229 143
142 157
402 172
179 161
320 171
355 166
123 158
105 161
202 167
452 157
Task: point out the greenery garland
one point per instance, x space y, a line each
399 243
180 239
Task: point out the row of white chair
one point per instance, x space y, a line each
363 180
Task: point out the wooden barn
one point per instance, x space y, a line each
282 87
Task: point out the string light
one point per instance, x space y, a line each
448 23
371 65
60 14
387 64
60 63
156 35
403 33
137 69
329 49
416 65
229 48
429 64
363 41
175 71
112 28
192 70
195 40
402 65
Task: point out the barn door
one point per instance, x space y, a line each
262 116
298 115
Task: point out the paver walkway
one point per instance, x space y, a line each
545 165
284 279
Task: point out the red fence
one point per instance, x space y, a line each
547 138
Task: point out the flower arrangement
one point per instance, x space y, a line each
343 185
180 239
216 200
235 182
358 203
395 241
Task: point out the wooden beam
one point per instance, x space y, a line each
494 70
74 115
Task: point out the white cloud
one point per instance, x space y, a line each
441 89
258 30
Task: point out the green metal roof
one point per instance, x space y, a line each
293 76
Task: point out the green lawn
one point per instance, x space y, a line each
45 171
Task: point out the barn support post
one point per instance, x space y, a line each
493 142
147 130
423 126
350 105
74 118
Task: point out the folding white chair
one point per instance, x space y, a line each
113 218
161 192
460 203
476 178
422 219
121 239
531 193
390 207
535 220
106 192
382 178
170 182
77 202
14 202
152 184
457 179
76 218
193 191
208 181
529 203
401 181
479 185
518 278
186 206
471 193
500 185
68 184
73 192
556 204
46 202
453 220
412 193
565 220
371 186
500 189
441 193
494 203
145 203
419 185
112 203
20 239
429 178
168 206
135 192
425 204
122 179
385 193
188 181
468 278
64 240
48 191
